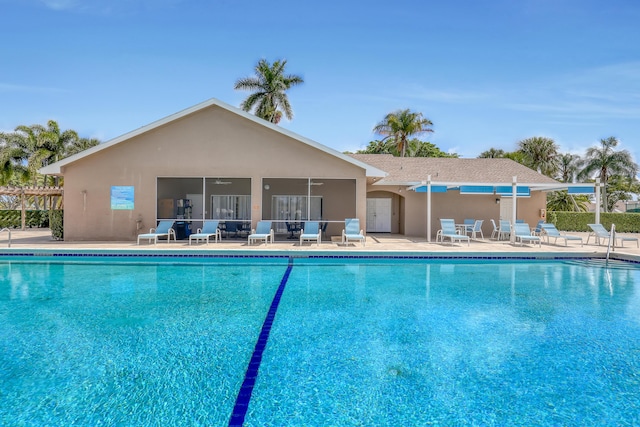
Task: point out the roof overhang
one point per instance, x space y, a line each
56 168
498 188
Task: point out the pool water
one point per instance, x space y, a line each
353 343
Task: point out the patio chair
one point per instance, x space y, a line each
496 230
311 231
352 231
504 231
550 230
538 230
468 225
523 233
448 229
599 232
263 231
475 229
209 228
164 229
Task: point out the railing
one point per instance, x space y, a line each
8 231
612 238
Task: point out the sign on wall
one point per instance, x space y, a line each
122 197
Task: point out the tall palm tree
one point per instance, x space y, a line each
568 167
540 154
605 161
400 125
269 84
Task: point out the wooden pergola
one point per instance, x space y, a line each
23 192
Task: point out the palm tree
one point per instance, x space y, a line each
269 85
80 145
564 202
540 154
400 125
568 167
492 153
604 161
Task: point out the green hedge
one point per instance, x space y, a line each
577 221
56 224
13 219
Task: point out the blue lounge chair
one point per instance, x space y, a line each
210 228
311 231
164 229
448 230
352 231
475 229
550 230
599 232
538 230
523 233
263 231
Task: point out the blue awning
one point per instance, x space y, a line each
581 190
476 189
434 189
506 191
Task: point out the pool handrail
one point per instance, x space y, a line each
8 230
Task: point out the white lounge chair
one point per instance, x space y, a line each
352 231
599 232
448 229
263 231
550 230
210 228
495 234
311 231
164 229
523 233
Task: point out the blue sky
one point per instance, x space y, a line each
487 73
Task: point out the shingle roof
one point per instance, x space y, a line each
416 169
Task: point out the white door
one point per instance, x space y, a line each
378 215
506 207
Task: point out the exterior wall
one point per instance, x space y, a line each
212 142
454 205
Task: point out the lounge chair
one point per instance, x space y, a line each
210 228
311 231
448 229
164 229
523 233
599 232
505 230
263 231
468 225
352 231
550 230
477 228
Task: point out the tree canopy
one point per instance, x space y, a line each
399 125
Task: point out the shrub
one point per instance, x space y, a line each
577 221
56 224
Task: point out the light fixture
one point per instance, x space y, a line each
497 201
267 186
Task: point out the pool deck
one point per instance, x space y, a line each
39 239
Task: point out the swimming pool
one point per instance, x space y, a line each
165 341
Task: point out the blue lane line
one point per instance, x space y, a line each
246 389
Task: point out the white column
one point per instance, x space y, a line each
428 209
597 200
514 195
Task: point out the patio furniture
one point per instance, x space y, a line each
448 229
311 231
263 231
523 233
599 232
496 230
475 229
550 230
352 231
504 231
538 230
209 228
164 229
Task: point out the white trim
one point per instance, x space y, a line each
55 168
